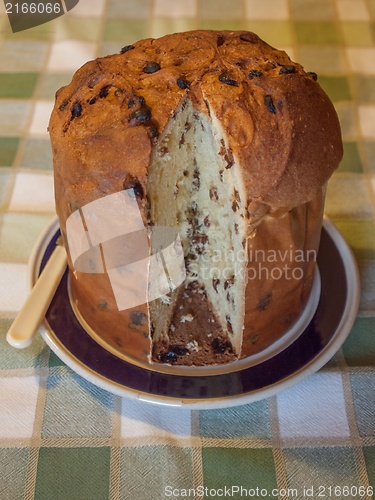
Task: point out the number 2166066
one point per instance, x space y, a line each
344 491
33 8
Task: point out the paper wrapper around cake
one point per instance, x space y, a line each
225 139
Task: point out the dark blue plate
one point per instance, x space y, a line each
320 340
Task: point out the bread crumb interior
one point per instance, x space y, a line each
194 186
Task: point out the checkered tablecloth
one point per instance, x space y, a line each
62 438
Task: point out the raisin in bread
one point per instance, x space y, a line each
224 138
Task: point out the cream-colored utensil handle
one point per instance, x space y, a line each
24 328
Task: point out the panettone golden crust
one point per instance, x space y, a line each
281 127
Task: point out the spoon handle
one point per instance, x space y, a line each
25 326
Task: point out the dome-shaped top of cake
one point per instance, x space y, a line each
272 111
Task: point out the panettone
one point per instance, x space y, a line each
228 141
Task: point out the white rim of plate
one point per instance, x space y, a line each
337 339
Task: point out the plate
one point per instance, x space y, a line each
316 343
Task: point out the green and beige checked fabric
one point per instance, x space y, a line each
62 438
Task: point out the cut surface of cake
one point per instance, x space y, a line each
224 139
